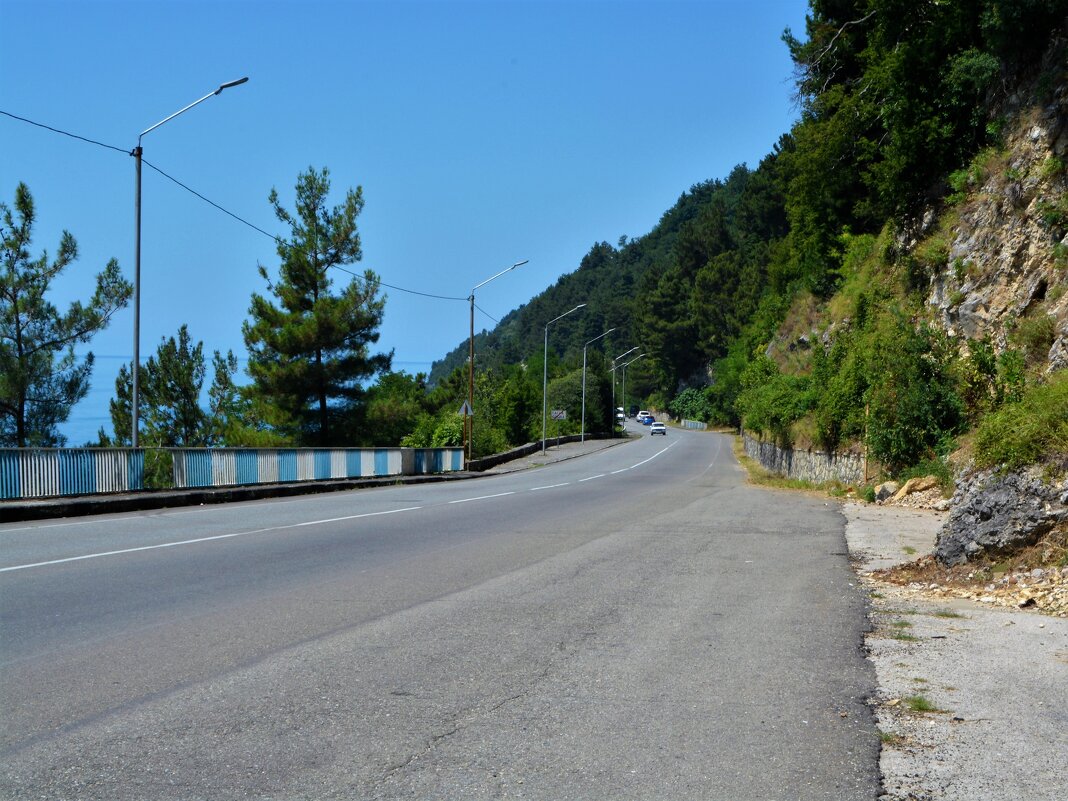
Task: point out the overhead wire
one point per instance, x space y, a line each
65 133
212 203
486 313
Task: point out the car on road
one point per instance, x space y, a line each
641 415
658 428
647 420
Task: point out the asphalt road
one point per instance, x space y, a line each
636 623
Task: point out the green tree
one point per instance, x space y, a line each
41 379
691 404
395 405
309 353
170 388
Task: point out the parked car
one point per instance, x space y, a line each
658 428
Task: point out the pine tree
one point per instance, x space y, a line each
170 386
41 379
309 353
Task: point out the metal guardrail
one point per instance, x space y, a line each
696 425
54 472
47 472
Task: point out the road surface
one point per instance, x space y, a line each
636 623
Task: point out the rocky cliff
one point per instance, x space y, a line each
1007 255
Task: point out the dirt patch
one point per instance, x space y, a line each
1034 578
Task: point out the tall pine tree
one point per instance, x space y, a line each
41 378
309 353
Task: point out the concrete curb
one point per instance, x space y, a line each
78 506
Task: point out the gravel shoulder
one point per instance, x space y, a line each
995 679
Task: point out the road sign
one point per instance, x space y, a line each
558 414
466 410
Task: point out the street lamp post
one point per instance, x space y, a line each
582 430
620 356
469 418
545 374
136 153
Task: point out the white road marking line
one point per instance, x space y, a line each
591 478
57 525
482 497
643 461
202 539
550 486
150 514
624 470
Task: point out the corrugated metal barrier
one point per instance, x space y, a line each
51 472
697 425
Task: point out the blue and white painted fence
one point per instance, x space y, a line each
48 472
696 425
51 472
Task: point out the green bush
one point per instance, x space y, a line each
914 407
771 402
449 432
839 381
1031 430
691 404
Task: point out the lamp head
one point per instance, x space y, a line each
228 84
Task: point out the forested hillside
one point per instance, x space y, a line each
842 291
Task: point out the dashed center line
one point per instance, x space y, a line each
482 497
300 525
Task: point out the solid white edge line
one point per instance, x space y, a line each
482 497
201 539
550 486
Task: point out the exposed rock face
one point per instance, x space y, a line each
1004 261
993 514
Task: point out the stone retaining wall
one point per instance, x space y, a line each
815 466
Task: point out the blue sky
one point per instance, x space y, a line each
482 133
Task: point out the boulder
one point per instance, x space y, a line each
996 513
885 490
915 485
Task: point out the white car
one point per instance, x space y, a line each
658 428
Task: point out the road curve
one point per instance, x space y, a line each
637 623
